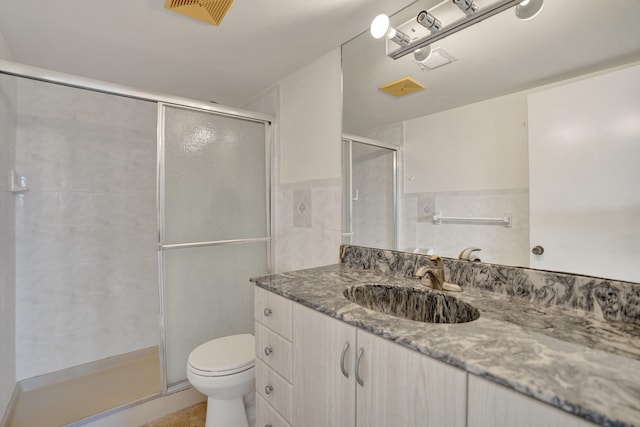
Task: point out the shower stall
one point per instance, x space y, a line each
136 221
370 196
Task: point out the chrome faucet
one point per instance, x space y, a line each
435 273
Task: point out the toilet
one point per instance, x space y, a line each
224 370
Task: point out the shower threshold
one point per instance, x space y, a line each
76 393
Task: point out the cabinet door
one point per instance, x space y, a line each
491 405
404 388
322 395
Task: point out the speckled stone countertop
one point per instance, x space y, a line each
571 359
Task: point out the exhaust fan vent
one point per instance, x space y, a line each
210 11
402 87
437 58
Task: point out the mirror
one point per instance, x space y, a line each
475 168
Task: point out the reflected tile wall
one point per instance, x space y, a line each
499 244
7 238
86 268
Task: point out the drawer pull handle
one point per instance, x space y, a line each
342 355
268 389
268 351
358 359
268 425
267 312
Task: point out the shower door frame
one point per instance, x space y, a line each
347 198
40 74
160 200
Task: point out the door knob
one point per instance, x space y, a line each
538 250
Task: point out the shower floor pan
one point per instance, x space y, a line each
71 395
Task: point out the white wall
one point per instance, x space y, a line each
306 152
312 121
481 146
584 152
86 260
7 234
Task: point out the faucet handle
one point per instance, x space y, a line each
437 260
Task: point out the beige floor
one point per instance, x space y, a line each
193 416
74 399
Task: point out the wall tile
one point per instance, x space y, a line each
86 235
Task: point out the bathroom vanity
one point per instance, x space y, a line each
527 360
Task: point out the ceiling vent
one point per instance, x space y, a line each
210 11
402 87
437 58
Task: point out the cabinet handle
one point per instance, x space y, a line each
358 359
268 351
268 425
342 355
267 312
268 389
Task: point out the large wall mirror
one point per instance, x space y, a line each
524 141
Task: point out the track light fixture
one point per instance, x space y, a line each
469 7
429 21
381 26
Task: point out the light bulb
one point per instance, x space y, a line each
529 9
380 25
422 54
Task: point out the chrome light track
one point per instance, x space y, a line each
481 15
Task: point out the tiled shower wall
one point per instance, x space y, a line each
86 263
7 238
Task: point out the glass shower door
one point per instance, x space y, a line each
214 228
369 194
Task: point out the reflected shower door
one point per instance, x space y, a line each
369 206
214 232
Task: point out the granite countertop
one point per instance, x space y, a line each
571 359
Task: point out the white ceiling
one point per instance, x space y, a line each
138 43
495 57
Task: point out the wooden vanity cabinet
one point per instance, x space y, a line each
491 405
310 370
399 386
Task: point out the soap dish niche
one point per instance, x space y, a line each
19 183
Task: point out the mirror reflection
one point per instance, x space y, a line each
523 142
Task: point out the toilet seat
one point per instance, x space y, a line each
223 356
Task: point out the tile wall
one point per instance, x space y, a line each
86 261
308 235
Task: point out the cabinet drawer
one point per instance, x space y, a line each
266 416
273 311
274 350
274 389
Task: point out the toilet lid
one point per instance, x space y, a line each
224 355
